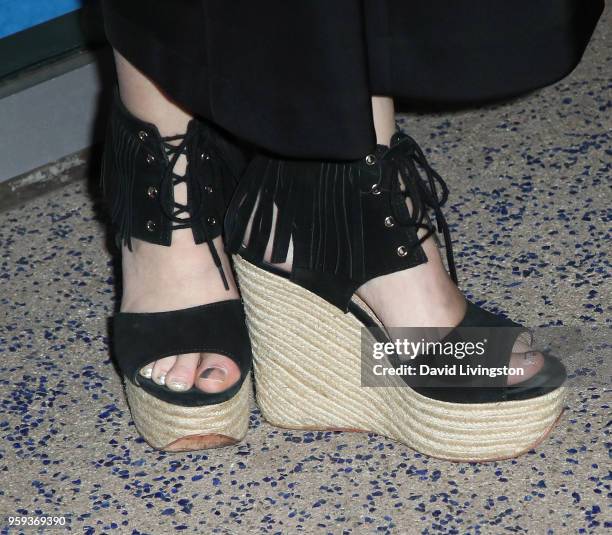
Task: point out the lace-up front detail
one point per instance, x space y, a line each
411 176
183 216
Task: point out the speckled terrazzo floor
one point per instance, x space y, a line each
530 211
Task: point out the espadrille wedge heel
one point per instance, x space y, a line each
138 180
312 336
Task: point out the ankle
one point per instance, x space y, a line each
181 255
156 279
383 113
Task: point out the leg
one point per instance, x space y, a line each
158 278
383 113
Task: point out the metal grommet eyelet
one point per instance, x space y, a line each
205 156
374 189
211 221
208 189
152 192
370 159
389 222
151 226
142 135
150 158
402 251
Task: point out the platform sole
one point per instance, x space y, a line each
174 428
307 358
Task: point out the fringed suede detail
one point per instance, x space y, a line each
138 180
336 237
120 156
319 205
348 220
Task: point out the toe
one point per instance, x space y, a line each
216 373
147 371
523 343
530 362
161 368
180 377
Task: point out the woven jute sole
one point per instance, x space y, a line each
171 427
307 357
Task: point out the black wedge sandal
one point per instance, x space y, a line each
138 180
349 223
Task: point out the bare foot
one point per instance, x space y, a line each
425 296
157 279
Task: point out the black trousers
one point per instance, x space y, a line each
296 77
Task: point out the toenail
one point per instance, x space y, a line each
179 386
161 380
214 374
147 372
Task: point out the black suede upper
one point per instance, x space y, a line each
142 338
477 325
134 167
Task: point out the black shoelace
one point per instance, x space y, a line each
422 190
183 215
